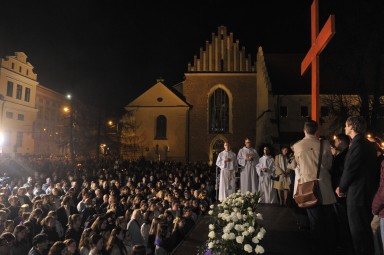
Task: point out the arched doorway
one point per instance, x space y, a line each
217 145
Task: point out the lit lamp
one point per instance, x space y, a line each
369 135
334 137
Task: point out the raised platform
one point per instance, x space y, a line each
283 235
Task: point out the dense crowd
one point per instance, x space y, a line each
47 206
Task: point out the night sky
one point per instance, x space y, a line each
122 47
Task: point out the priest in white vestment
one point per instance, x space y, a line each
227 162
248 158
265 169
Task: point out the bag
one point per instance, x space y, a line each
275 177
307 194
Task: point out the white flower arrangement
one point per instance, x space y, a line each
235 226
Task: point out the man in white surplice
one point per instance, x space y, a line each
227 162
265 169
248 158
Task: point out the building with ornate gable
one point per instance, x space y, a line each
227 96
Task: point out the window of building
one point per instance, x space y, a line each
9 115
19 91
19 139
13 66
324 111
27 96
304 111
20 116
27 71
218 112
161 127
283 111
10 89
20 69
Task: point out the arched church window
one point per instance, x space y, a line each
161 127
218 112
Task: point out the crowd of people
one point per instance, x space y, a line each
349 215
130 207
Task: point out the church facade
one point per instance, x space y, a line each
226 96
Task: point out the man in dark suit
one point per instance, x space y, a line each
65 211
356 185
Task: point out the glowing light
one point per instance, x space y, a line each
334 137
1 139
66 109
369 135
69 96
110 122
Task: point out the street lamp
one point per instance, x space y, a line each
70 109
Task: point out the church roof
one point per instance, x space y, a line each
284 74
159 95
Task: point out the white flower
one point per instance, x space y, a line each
259 216
245 233
238 227
251 229
211 227
225 236
259 249
239 239
210 212
212 234
230 225
248 248
211 206
210 245
249 209
255 240
262 230
260 235
232 236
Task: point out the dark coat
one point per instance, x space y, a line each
378 200
359 172
62 216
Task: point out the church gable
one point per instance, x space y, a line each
158 95
222 54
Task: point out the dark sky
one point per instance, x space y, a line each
108 52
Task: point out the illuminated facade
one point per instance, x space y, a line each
17 110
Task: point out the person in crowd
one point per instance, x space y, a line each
74 228
49 228
7 241
145 227
64 211
248 158
71 247
138 250
85 242
21 245
58 226
178 232
35 219
133 228
321 216
163 245
39 245
100 226
227 162
356 184
58 248
115 245
378 205
265 169
341 148
97 244
282 170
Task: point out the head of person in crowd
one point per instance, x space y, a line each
40 242
341 142
100 224
116 239
71 246
74 221
58 248
97 243
7 241
310 127
20 233
138 250
355 125
85 238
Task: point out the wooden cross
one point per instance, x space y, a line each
319 41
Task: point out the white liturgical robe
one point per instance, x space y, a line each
265 182
227 162
249 180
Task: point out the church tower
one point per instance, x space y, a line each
221 86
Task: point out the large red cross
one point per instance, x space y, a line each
319 41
